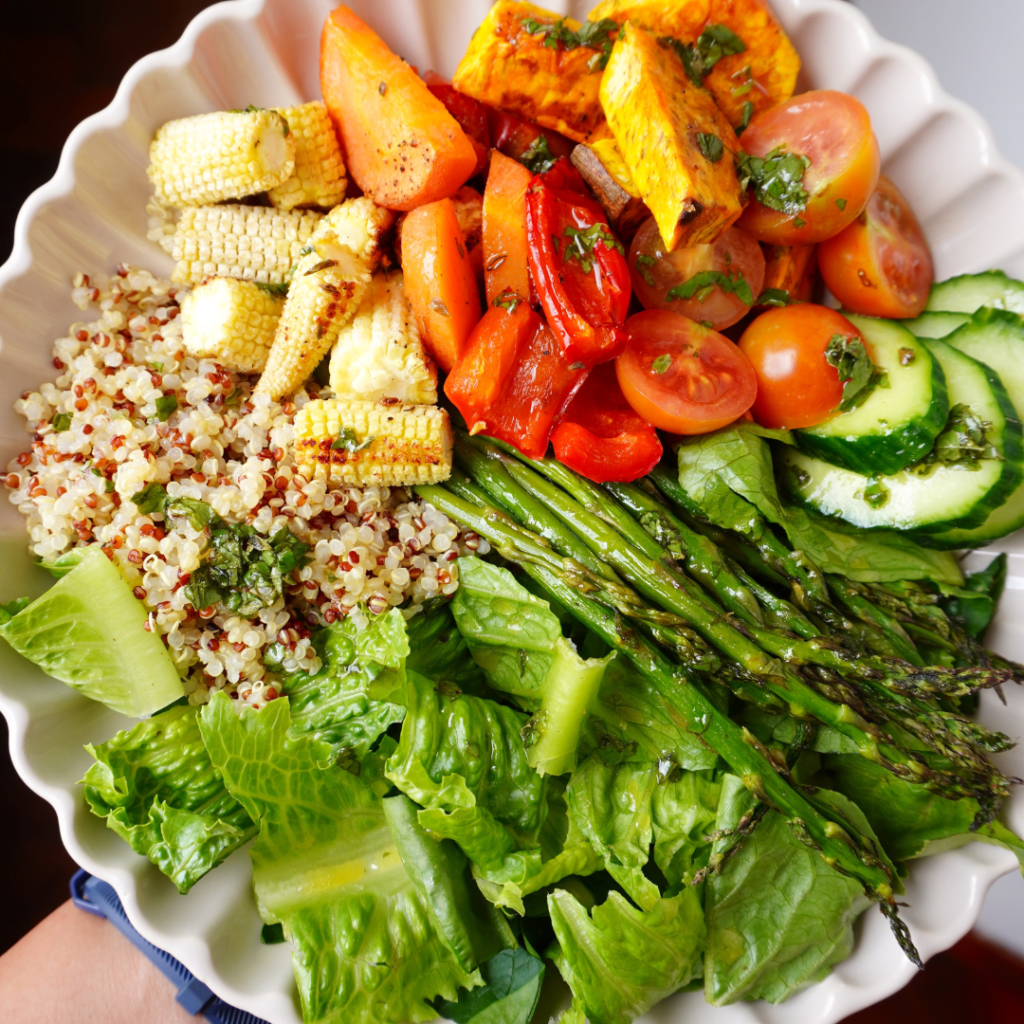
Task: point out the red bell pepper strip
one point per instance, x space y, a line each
578 266
601 437
513 383
525 141
470 113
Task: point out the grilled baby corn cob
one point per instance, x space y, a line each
319 176
251 242
327 286
226 155
231 321
379 354
361 443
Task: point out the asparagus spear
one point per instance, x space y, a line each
838 844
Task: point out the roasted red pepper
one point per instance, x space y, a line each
513 381
470 113
525 141
601 436
578 266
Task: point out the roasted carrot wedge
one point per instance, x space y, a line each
439 280
504 243
402 146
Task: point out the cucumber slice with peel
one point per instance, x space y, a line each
897 425
926 498
970 292
936 325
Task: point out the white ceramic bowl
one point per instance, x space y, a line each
91 216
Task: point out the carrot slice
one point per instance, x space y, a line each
439 280
792 269
402 146
504 237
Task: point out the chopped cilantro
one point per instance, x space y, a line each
774 297
841 203
153 499
642 262
703 284
859 376
348 441
711 146
61 422
580 244
165 405
150 500
715 42
661 364
277 287
963 440
594 35
538 158
777 179
799 223
748 113
507 299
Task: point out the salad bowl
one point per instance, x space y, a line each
91 216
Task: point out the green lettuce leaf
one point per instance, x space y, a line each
88 630
619 961
975 603
910 821
439 651
326 867
778 916
517 641
509 994
158 790
336 704
730 478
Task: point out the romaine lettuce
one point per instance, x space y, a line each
89 631
325 865
512 982
159 792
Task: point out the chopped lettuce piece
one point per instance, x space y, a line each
158 790
326 867
619 961
509 994
778 916
439 651
88 630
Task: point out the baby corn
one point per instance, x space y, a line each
327 286
361 443
319 177
232 322
251 242
226 155
379 354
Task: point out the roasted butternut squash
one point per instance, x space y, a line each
675 142
402 146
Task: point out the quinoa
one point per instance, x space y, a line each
131 407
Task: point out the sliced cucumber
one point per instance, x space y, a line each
944 496
897 425
936 325
971 292
996 338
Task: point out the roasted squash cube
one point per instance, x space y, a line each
763 74
676 143
519 60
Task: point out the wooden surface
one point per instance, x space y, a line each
59 62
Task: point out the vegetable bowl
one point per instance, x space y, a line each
92 215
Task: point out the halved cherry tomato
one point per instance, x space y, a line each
577 265
796 386
513 382
833 131
722 278
602 437
470 113
517 138
681 376
881 264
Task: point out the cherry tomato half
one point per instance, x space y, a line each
734 260
796 387
681 376
833 130
881 264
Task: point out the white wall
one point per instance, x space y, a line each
976 50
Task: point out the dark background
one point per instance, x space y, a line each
59 62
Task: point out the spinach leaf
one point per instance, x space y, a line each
509 994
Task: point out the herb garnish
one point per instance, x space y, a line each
777 179
537 158
165 405
857 372
774 297
154 499
963 440
61 422
748 113
348 441
661 364
507 299
711 146
642 262
580 244
876 494
279 288
703 284
841 203
715 42
108 485
595 35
